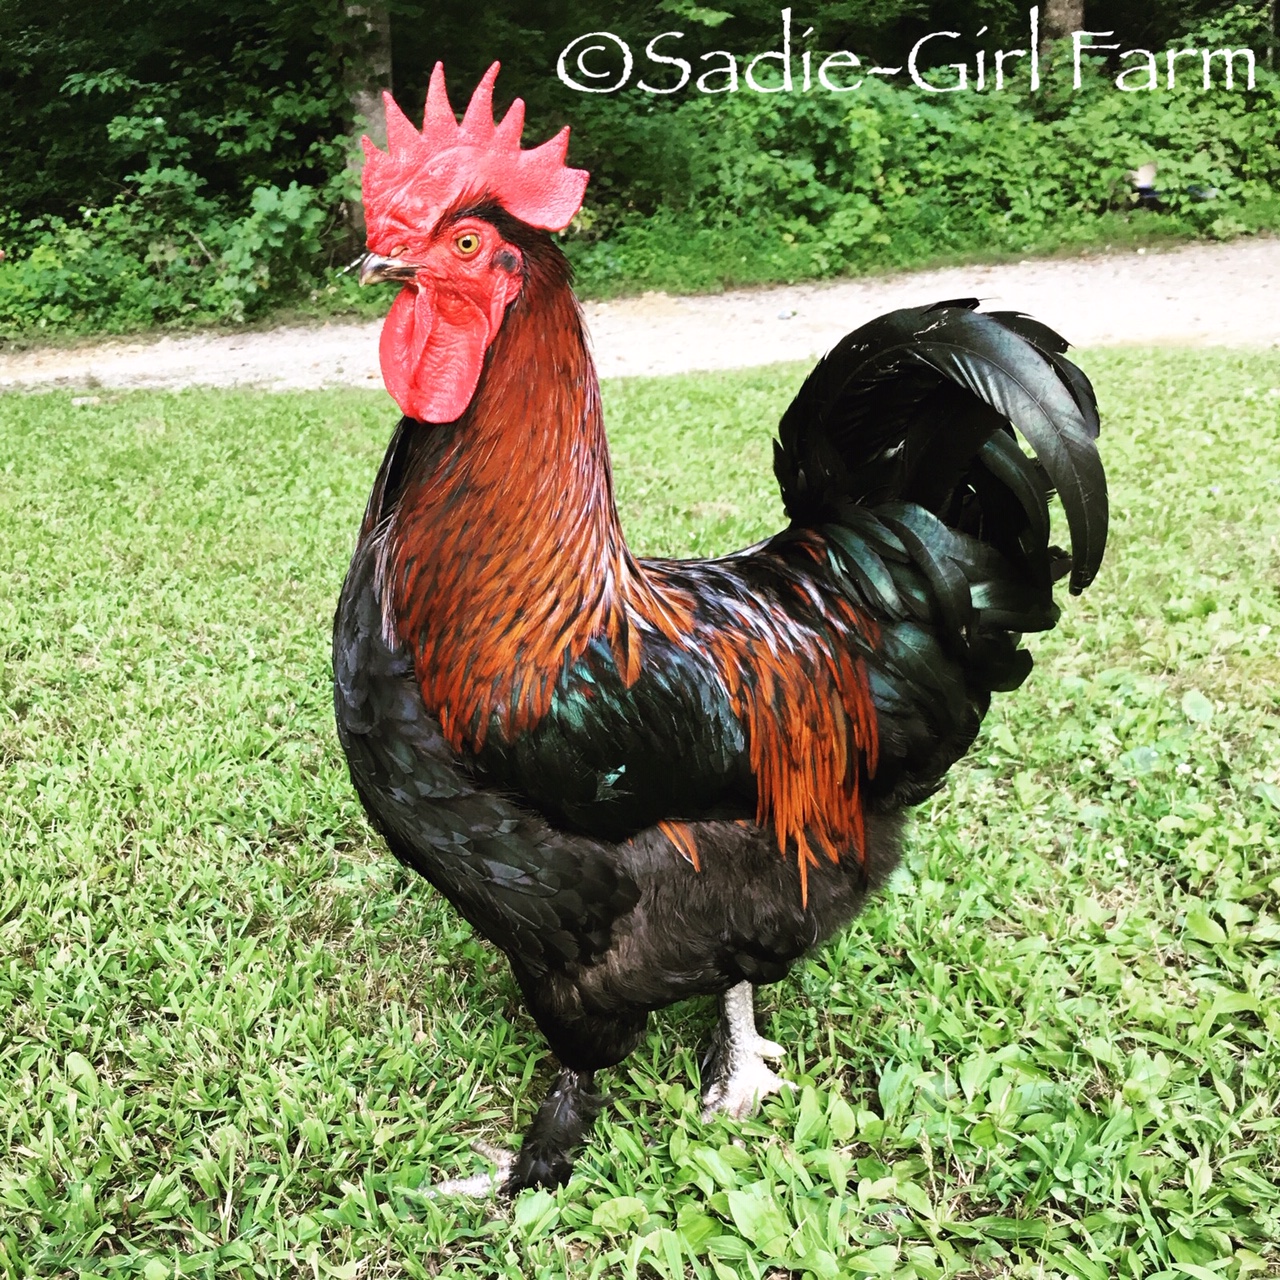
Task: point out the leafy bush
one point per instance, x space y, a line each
134 265
796 187
179 163
273 250
223 163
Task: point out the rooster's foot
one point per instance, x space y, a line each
737 1075
480 1185
739 1093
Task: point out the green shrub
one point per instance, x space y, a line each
734 189
792 186
271 252
135 264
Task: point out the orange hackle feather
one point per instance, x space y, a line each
525 491
681 835
810 721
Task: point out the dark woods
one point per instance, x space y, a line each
175 162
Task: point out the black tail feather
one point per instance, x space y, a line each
900 408
901 448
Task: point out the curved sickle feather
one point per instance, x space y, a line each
1022 378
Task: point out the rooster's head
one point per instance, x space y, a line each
433 203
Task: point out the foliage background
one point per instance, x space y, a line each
175 163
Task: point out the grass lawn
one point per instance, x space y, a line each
235 1038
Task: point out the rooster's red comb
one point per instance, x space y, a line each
409 186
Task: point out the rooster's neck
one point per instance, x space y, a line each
506 557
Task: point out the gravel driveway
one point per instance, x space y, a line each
1198 295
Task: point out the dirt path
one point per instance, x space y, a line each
1196 295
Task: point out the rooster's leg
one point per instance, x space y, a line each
735 1070
546 1155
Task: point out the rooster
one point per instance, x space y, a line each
646 780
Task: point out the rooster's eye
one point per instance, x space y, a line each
467 243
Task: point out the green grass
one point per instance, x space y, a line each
235 1038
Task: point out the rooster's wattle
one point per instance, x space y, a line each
648 779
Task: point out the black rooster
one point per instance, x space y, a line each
646 780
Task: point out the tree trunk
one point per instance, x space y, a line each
1059 19
368 74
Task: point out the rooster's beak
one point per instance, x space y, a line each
375 269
